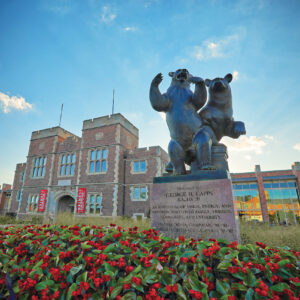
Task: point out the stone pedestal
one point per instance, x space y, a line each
195 205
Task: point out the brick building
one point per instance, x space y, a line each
269 196
5 198
106 168
103 172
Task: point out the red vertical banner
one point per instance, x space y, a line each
42 201
81 197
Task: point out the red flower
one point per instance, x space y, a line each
136 280
56 295
126 286
208 252
172 288
181 238
169 288
128 269
231 298
196 295
261 245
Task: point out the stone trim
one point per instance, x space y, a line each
132 193
87 171
132 166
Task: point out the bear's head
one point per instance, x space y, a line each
219 85
180 77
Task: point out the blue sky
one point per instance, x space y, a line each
77 52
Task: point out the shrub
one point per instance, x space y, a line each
90 262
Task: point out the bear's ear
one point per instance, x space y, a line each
171 74
228 77
207 82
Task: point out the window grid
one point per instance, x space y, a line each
139 166
98 161
67 164
39 165
94 204
246 197
139 193
33 201
282 202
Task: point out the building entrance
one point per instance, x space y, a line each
66 204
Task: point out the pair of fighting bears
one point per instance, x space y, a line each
193 132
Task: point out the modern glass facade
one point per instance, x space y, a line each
282 201
247 200
281 196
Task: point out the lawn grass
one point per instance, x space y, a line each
273 236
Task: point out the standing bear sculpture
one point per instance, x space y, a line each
181 106
217 120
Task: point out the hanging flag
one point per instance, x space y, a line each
42 201
81 197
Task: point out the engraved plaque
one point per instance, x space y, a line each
199 209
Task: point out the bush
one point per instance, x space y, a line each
90 262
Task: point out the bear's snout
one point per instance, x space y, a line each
218 86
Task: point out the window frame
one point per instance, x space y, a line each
95 160
66 163
88 203
139 161
30 202
140 192
40 167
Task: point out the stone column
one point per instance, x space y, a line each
262 197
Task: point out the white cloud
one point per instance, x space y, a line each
213 48
269 137
235 75
246 144
128 28
107 16
248 157
19 103
163 115
297 146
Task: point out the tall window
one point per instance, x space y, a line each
282 201
98 161
39 165
67 164
19 195
139 193
139 166
33 202
94 204
246 197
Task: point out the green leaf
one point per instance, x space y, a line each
82 277
283 263
129 296
116 291
69 278
75 270
4 258
223 265
72 288
109 248
222 287
86 246
249 294
45 242
239 286
42 285
138 287
249 279
189 254
194 282
280 287
180 292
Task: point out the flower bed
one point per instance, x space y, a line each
89 262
